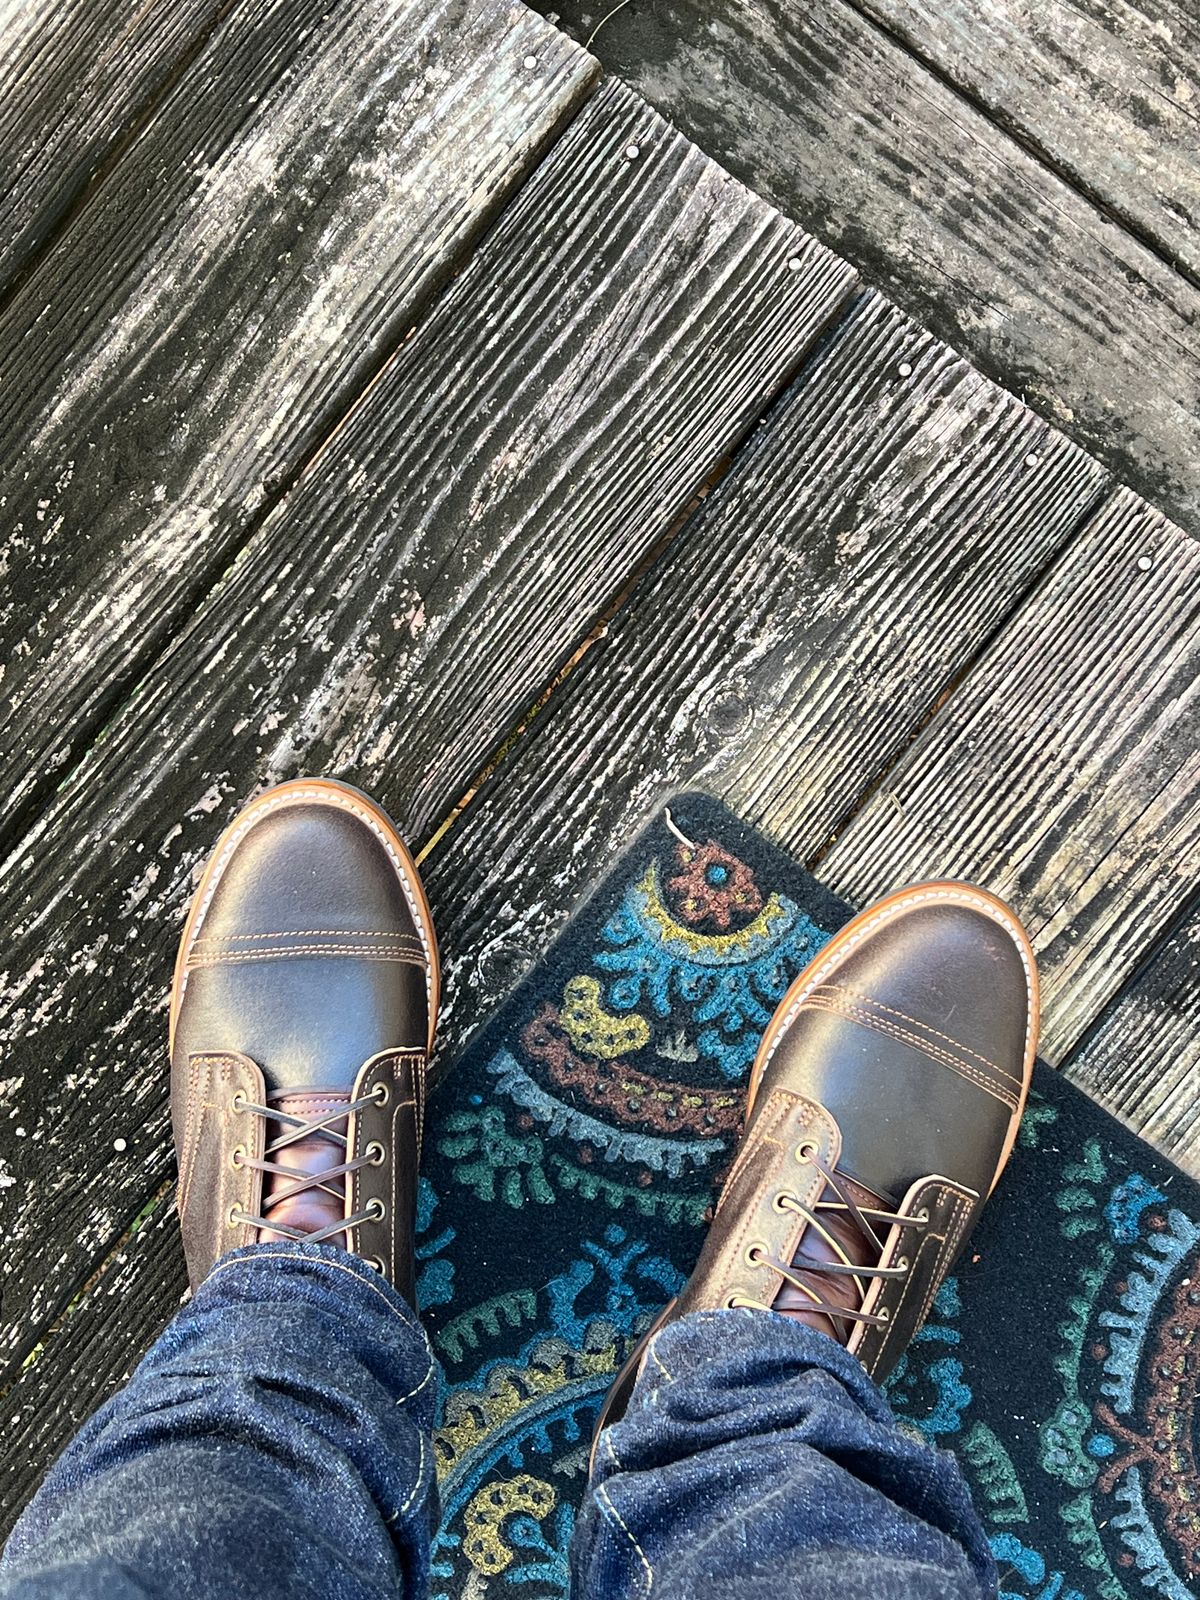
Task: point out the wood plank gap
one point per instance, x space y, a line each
122 691
1140 1057
601 626
952 217
240 279
45 193
1014 129
607 343
779 651
1065 772
1102 491
99 1270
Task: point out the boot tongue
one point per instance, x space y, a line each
313 1153
836 1288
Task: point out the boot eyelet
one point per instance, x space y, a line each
735 1301
754 1253
376 1210
806 1149
234 1218
902 1264
375 1264
236 1154
923 1214
381 1094
375 1153
238 1102
885 1314
783 1201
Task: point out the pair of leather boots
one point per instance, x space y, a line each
882 1106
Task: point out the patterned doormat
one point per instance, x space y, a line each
572 1156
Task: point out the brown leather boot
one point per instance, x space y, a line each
302 1019
881 1109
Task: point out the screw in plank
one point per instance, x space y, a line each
632 152
120 1145
1033 459
529 63
1145 563
794 263
905 369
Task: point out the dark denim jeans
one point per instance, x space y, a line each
276 1443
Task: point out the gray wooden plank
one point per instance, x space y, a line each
1104 90
75 76
1064 773
820 110
1141 1057
610 340
267 239
90 1353
786 647
777 653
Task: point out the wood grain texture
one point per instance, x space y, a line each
74 77
820 110
1064 774
90 1354
393 618
1106 91
788 642
1141 1058
269 236
787 645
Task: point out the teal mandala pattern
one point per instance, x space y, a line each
574 1155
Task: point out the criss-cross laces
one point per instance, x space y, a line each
862 1216
295 1129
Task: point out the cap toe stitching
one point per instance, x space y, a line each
917 1022
957 896
259 809
932 1052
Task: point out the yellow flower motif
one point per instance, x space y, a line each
594 1031
482 1540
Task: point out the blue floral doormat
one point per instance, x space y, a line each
574 1153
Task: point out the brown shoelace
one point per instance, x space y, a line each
843 1265
295 1129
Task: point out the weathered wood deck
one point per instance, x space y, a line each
388 394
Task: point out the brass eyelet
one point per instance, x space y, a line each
237 1151
807 1149
381 1094
376 1210
923 1214
375 1264
239 1100
234 1220
902 1264
885 1314
780 1201
753 1253
375 1153
731 1300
